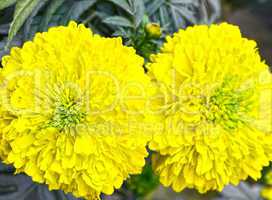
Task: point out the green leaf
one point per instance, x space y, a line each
118 21
174 16
143 184
51 9
215 11
6 3
185 13
28 28
183 2
164 17
22 11
123 4
121 32
77 8
154 6
139 11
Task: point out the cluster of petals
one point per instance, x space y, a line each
74 106
218 110
66 110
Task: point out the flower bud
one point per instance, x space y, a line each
153 30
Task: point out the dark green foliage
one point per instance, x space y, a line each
107 17
143 184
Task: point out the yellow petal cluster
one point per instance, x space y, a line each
217 111
266 193
66 108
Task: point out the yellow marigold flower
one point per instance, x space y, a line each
217 110
266 193
268 178
63 118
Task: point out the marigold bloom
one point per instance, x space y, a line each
268 178
266 193
218 109
63 119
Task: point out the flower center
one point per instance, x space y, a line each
228 106
224 104
67 115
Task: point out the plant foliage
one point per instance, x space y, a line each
108 17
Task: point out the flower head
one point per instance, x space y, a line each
268 178
266 193
63 119
217 109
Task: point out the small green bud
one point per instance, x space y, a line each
153 30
